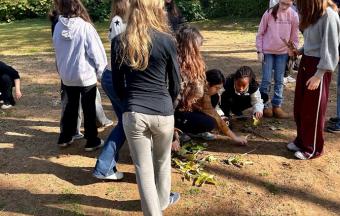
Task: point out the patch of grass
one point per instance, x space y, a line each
272 188
263 173
192 191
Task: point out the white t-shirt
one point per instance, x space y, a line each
117 26
272 3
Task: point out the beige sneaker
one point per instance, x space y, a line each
268 112
279 113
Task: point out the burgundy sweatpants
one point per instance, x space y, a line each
310 108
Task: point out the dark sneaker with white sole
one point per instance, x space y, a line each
333 128
65 142
92 146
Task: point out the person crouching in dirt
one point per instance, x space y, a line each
242 92
9 78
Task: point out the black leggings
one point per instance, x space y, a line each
237 104
6 85
69 119
196 122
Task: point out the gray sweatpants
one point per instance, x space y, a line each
149 139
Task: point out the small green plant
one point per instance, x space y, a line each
187 161
237 161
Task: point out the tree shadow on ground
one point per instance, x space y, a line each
59 204
278 189
32 149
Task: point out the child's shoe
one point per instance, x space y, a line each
334 128
279 113
292 147
6 106
268 112
90 146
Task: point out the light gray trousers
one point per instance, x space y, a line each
149 138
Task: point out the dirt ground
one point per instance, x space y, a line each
38 178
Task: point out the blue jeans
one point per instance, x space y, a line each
338 98
278 64
108 158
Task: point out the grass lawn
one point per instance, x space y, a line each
38 178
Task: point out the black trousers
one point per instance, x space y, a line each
196 122
237 104
70 117
6 85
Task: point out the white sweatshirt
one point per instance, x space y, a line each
117 26
80 54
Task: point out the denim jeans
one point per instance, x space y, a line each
278 64
109 156
338 98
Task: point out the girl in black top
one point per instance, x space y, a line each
242 92
145 76
9 78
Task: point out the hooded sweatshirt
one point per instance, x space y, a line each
80 54
271 32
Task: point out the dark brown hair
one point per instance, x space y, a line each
310 11
73 8
120 8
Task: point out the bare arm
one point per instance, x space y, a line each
17 89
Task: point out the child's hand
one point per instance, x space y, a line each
260 57
258 115
241 141
313 83
18 94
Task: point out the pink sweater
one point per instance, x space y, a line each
268 38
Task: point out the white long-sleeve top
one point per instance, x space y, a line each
80 54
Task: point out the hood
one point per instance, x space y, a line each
70 25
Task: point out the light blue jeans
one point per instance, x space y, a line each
278 64
108 158
338 98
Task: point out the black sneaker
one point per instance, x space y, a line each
174 198
334 120
333 129
62 142
90 146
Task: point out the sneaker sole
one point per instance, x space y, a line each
333 131
94 148
107 179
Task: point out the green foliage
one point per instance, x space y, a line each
20 9
191 9
188 163
200 9
99 10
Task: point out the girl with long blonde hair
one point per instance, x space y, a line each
147 81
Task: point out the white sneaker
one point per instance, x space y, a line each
292 147
115 176
302 156
6 106
290 79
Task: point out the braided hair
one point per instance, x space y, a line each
244 72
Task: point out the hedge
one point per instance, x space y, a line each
100 9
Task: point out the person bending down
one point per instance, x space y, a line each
9 78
